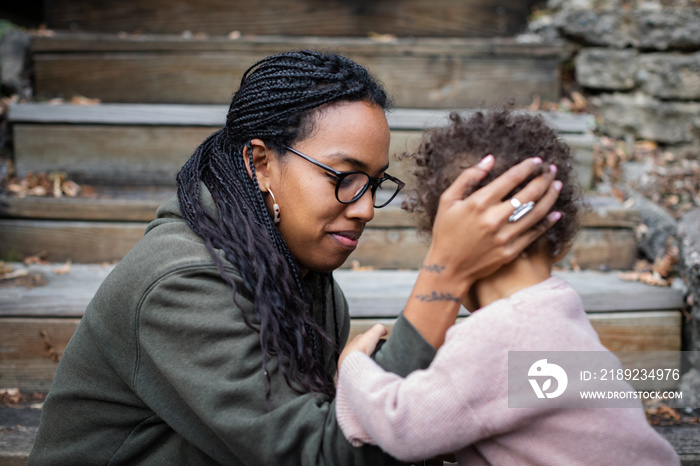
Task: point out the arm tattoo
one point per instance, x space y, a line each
437 268
434 296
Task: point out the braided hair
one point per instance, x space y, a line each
276 102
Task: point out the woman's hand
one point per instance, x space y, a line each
473 238
365 342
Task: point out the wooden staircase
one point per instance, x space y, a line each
161 93
130 153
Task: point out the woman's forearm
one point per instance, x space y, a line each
434 302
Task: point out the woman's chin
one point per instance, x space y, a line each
328 265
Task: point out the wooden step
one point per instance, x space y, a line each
417 72
441 18
36 323
105 227
139 204
147 144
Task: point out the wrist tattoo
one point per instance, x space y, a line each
435 296
437 268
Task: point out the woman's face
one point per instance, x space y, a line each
320 231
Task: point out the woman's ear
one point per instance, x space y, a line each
262 156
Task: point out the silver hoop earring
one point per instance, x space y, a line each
275 207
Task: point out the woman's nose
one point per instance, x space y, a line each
363 208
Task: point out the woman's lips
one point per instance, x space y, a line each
347 239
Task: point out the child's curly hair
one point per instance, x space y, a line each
511 136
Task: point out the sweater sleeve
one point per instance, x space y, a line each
430 412
199 367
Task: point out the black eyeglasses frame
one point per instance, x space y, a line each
372 183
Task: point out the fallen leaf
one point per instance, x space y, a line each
14 274
38 191
80 100
42 31
64 269
580 103
650 278
4 268
70 188
53 354
384 38
57 191
37 259
355 266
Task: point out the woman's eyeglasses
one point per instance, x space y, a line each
350 186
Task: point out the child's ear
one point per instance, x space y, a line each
560 254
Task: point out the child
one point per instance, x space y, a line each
460 403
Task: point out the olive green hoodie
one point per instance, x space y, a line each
163 370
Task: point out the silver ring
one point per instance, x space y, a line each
520 209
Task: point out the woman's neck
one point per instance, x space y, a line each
525 271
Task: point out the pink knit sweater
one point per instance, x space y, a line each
460 403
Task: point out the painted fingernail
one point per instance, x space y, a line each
553 168
557 185
486 162
554 216
536 160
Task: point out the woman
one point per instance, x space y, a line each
464 401
215 340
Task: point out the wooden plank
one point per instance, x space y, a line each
609 212
125 203
91 242
137 205
638 331
389 248
27 363
476 18
383 293
398 248
16 443
71 42
152 155
215 115
430 74
370 294
63 295
25 360
443 81
381 248
120 114
642 340
134 155
685 440
614 248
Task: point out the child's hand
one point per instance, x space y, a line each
365 342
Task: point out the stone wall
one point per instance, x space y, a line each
638 62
